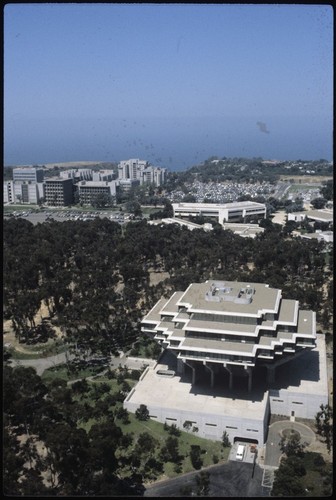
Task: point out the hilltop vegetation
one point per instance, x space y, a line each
249 170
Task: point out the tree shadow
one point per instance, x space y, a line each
39 334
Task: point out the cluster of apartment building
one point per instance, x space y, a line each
29 185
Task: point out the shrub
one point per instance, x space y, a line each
319 461
187 425
195 456
174 431
142 413
135 374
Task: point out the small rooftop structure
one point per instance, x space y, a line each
180 222
219 292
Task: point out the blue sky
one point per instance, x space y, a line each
169 83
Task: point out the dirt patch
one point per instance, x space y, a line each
319 447
9 335
309 179
279 217
156 277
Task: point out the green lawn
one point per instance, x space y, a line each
150 210
61 371
185 440
301 187
23 208
317 477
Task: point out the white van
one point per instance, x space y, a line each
240 452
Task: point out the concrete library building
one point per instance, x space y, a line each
233 354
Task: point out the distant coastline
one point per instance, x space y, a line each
64 164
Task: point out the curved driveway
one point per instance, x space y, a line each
273 452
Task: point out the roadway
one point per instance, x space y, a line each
232 479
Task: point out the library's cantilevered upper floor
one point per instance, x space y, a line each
231 323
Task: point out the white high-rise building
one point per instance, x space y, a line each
135 169
26 187
131 169
28 174
8 192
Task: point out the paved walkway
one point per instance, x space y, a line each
44 363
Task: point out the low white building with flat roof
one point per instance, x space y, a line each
233 353
226 212
297 216
184 223
327 236
244 230
323 215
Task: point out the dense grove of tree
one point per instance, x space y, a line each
47 453
327 190
94 276
50 450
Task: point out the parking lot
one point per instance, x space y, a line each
47 215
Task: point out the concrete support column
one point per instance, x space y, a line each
231 376
221 217
249 371
212 373
193 373
180 367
